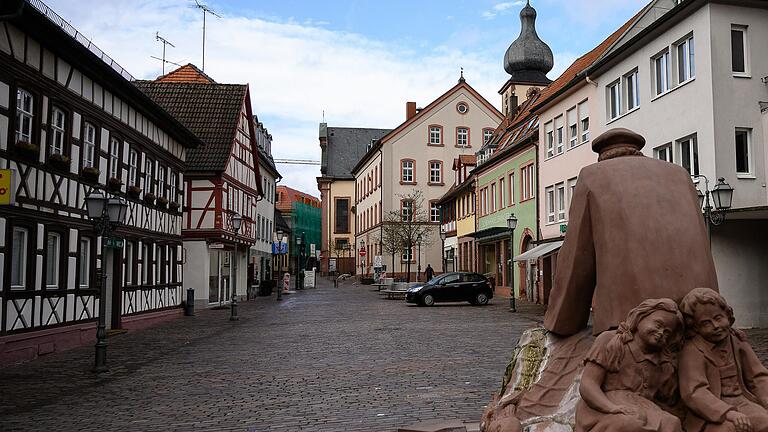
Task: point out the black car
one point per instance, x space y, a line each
452 287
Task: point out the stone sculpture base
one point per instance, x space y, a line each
541 384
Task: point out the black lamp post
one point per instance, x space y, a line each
237 221
418 243
302 261
105 214
298 248
722 197
512 224
443 235
362 258
279 254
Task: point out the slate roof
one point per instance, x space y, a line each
210 111
346 146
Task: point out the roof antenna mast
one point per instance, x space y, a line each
165 44
205 10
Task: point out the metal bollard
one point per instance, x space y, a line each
189 308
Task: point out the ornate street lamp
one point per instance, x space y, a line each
443 235
722 198
418 243
362 259
237 221
512 224
279 251
298 248
105 214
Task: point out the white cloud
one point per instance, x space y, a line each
501 8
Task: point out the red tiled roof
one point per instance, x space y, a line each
188 73
287 196
468 159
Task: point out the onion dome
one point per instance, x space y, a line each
528 58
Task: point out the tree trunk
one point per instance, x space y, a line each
408 264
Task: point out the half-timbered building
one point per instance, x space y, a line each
71 122
222 180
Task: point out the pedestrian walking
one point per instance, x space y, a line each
429 272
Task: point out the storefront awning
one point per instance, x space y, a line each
539 251
490 234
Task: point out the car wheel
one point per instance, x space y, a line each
481 299
428 300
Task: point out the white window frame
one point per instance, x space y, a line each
129 263
487 135
25 115
561 201
559 134
550 203
744 30
89 144
435 172
160 181
685 50
462 137
664 153
174 189
494 202
572 121
660 69
58 130
53 260
407 171
114 157
149 177
511 189
527 179
583 110
571 190
549 136
435 135
689 142
749 162
406 211
145 275
84 263
19 257
133 167
613 100
502 193
434 212
632 89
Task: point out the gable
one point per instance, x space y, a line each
648 15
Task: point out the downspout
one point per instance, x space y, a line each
277 180
589 80
381 207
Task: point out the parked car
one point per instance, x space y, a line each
452 287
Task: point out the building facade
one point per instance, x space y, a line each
414 157
302 213
260 260
341 149
222 181
72 124
457 209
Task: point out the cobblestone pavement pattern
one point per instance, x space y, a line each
329 359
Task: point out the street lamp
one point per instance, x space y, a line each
302 262
237 221
279 253
105 214
512 224
443 235
418 243
362 258
722 197
298 248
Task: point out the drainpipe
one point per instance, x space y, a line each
589 80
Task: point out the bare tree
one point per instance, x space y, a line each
389 236
403 229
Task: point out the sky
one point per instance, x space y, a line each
353 63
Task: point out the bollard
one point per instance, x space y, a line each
189 309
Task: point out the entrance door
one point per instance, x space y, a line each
226 276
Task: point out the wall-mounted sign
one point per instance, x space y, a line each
6 187
216 246
563 228
114 243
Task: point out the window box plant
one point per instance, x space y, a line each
174 207
149 199
26 150
162 202
59 162
114 184
134 192
90 174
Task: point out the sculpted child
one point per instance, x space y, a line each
629 370
722 382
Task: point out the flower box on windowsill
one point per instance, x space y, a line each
26 150
149 199
134 192
114 184
59 162
90 174
174 207
162 202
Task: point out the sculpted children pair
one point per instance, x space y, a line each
635 377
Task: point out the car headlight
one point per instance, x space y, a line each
415 289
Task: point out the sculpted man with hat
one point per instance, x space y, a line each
635 232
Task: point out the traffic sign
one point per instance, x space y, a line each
6 187
114 243
362 252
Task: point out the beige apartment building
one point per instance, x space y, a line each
417 155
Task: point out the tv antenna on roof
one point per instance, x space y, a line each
165 44
205 10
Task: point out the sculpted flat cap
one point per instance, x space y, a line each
618 137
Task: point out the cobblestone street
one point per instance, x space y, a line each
322 360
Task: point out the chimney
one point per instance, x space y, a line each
410 110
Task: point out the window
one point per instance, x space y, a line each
550 192
689 154
58 130
664 153
561 202
739 57
145 264
571 190
614 100
19 258
502 194
462 137
129 263
52 258
550 137
85 263
743 153
573 130
114 157
436 135
435 172
583 109
686 67
161 181
494 205
487 135
173 193
407 254
527 186
25 105
133 165
462 107
148 179
342 215
559 133
89 145
633 90
661 73
434 212
406 211
406 171
511 189
484 197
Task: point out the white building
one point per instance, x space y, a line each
261 265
